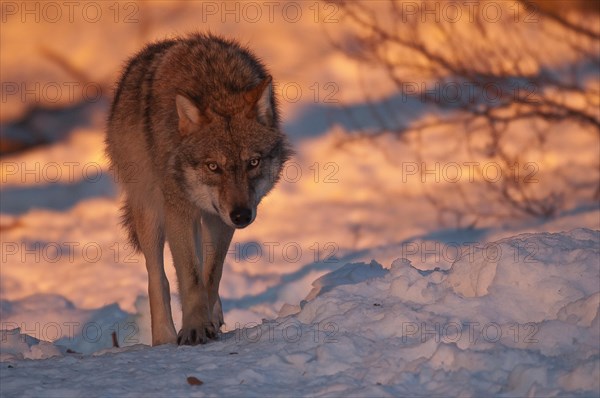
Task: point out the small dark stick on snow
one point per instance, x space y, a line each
115 340
194 381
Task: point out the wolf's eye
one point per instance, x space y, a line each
212 166
254 162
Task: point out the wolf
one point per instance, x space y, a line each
194 140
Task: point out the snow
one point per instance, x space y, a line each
54 318
357 277
371 331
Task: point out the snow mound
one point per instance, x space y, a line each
15 345
490 325
49 318
348 274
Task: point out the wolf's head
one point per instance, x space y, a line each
232 152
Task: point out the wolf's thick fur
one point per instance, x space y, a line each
194 140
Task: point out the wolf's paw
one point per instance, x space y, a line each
196 335
216 316
217 326
217 322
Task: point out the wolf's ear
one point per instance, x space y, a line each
259 100
189 114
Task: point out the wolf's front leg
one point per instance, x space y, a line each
215 239
196 325
150 237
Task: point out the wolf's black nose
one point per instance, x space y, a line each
241 216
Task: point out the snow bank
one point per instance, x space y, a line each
30 324
519 317
16 345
